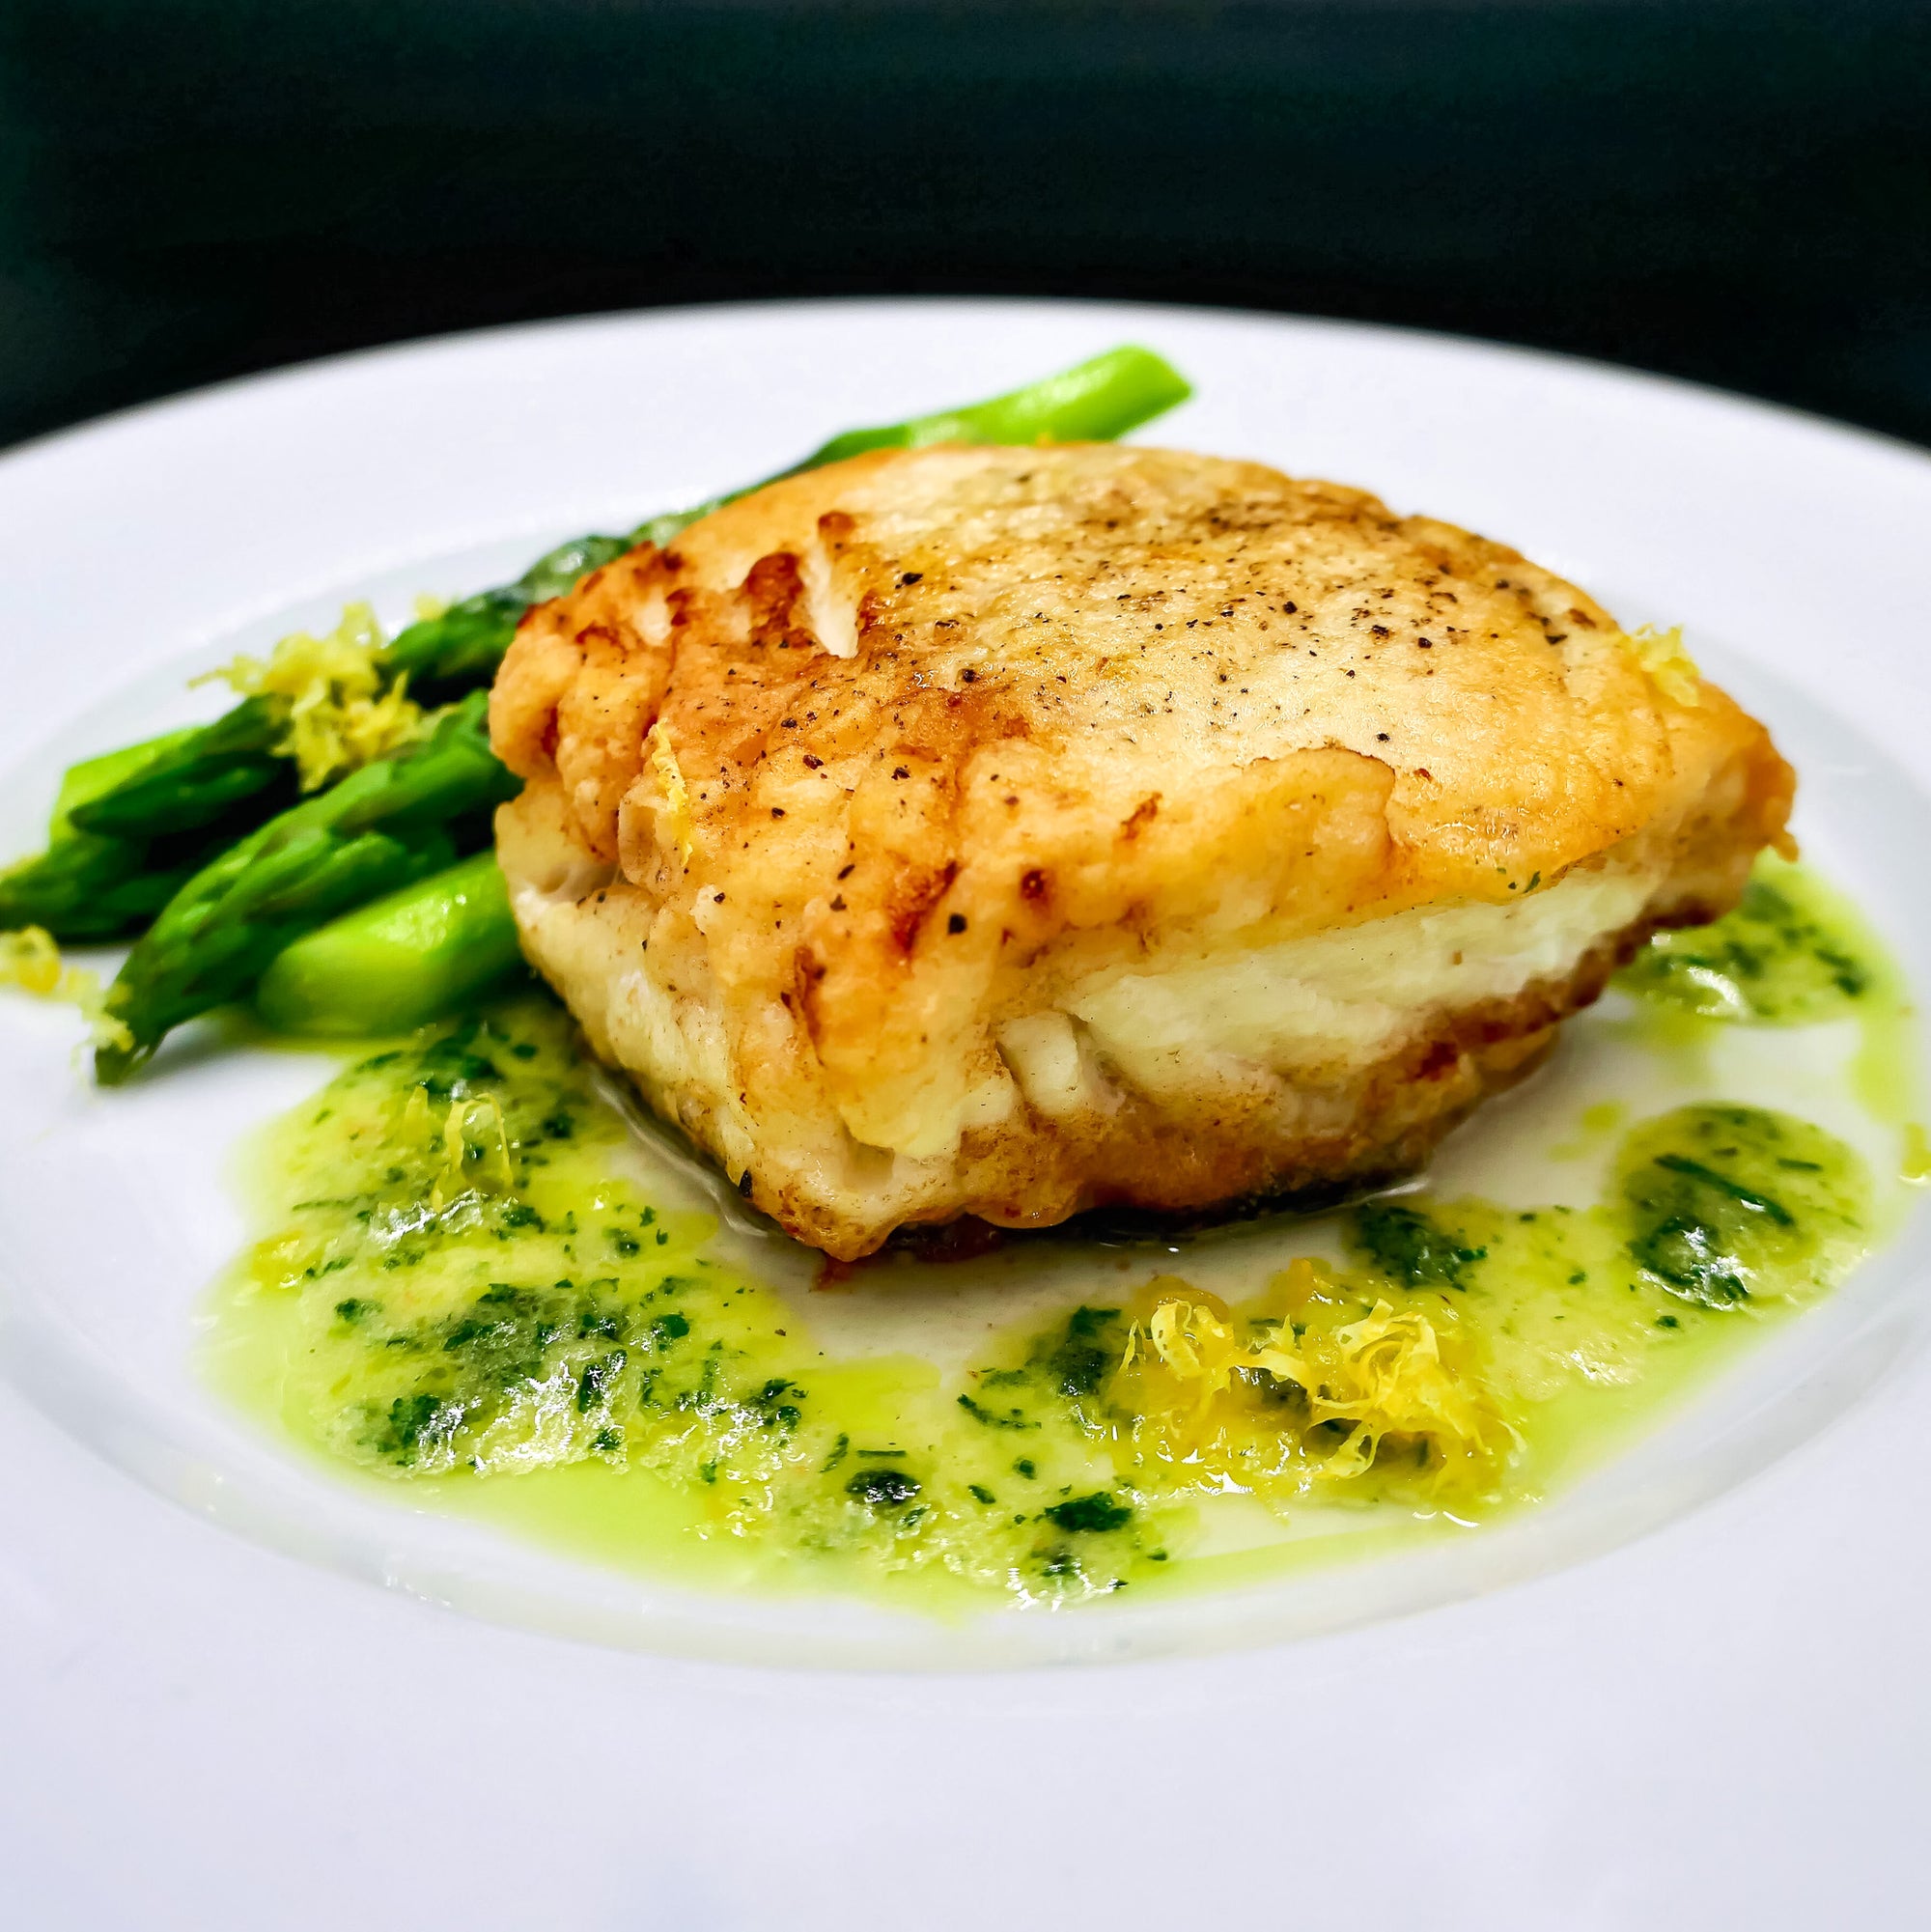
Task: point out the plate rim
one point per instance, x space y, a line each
1345 1658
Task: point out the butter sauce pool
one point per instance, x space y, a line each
475 1285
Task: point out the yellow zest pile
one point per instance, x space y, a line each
340 717
30 960
1336 1391
1667 664
677 793
473 1142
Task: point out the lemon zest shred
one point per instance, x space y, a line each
1382 1375
340 716
1914 1168
105 1029
1667 664
1303 1280
677 793
281 1260
417 1126
475 1150
30 960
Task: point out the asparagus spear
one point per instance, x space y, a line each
88 886
225 778
92 777
1091 402
132 826
94 886
403 959
394 820
136 831
445 656
1094 402
198 777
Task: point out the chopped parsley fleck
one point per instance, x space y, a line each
1410 1248
1013 1418
1095 1513
884 1489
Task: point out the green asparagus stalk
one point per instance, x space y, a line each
394 821
93 777
96 885
132 826
198 777
444 656
1093 403
198 789
394 964
87 887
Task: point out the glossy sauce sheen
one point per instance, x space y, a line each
471 1284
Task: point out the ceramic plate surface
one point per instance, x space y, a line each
1687 1692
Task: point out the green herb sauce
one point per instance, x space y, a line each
1793 952
466 1290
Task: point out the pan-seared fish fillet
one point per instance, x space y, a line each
1013 831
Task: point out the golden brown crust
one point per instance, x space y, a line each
886 755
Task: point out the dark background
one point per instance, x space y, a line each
1734 191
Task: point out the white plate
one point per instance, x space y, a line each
1719 1722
